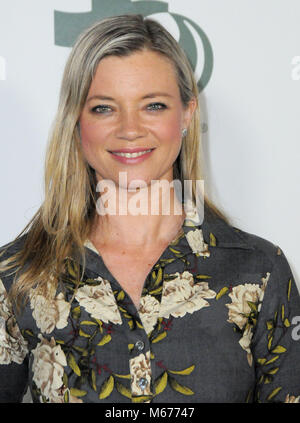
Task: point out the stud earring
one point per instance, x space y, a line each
184 132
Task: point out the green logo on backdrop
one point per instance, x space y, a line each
69 25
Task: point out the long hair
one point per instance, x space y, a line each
64 221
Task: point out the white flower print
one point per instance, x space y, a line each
292 399
57 310
262 290
196 242
13 347
239 309
192 216
148 311
140 367
181 295
100 302
245 342
48 369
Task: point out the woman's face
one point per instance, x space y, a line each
134 105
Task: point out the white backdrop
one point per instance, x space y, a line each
251 106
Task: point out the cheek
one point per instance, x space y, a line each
171 132
91 142
88 133
91 136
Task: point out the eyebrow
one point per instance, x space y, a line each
150 95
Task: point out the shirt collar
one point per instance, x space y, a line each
215 231
220 234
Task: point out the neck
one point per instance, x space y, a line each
140 220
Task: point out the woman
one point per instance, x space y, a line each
128 307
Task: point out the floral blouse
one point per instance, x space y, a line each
217 323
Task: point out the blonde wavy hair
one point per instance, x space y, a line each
64 220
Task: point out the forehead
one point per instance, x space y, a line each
140 70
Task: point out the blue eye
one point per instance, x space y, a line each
102 108
157 106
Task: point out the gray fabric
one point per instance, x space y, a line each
228 338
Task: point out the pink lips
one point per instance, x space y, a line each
130 150
131 160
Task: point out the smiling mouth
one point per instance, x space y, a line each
131 155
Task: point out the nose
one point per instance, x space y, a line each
130 126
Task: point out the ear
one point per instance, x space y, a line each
189 111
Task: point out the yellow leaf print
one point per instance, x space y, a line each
87 322
174 251
279 349
289 289
71 269
183 372
180 388
130 323
107 387
203 276
93 377
77 392
66 396
274 392
72 363
212 240
156 291
141 398
65 379
105 340
270 342
121 296
272 360
221 292
84 334
76 312
161 383
123 390
123 376
159 337
158 277
252 305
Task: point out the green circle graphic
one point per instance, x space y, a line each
68 26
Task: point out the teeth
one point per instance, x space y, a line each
131 155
